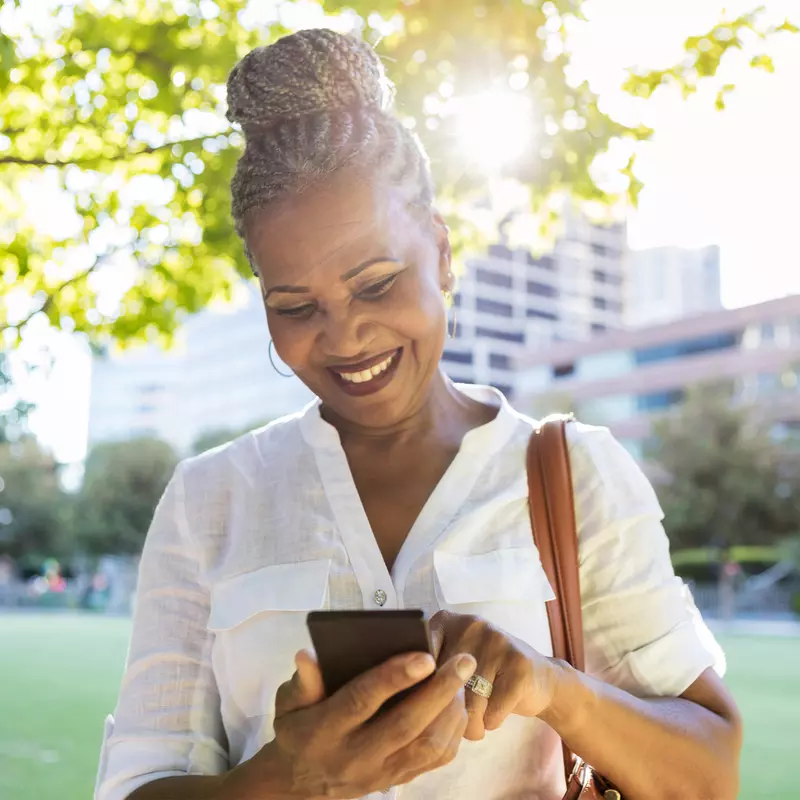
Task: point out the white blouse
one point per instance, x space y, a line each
250 537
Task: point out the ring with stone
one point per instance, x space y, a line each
480 686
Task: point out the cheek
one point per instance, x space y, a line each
293 340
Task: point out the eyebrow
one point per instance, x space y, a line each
344 278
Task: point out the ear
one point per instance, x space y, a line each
441 233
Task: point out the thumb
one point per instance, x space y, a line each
304 689
308 680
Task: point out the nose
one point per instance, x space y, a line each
345 334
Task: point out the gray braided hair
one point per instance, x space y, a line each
308 105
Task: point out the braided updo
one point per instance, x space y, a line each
309 104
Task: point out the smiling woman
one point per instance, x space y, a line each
394 489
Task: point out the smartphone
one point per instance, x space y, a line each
348 643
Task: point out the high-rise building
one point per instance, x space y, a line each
668 283
626 379
510 302
218 376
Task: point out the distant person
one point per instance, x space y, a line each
395 489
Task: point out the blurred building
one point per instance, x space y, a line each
510 302
218 376
668 283
626 377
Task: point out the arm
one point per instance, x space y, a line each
658 722
167 721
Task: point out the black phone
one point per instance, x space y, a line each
348 643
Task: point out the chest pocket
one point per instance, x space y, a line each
506 587
259 622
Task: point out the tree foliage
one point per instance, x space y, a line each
121 109
122 486
33 507
729 482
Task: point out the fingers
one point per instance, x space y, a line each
304 689
401 725
438 745
436 627
360 699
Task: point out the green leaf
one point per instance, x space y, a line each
763 62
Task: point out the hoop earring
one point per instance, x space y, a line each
271 361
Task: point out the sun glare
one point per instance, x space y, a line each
494 127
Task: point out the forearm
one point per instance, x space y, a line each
649 748
261 778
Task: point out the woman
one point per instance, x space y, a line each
396 489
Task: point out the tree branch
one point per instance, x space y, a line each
82 162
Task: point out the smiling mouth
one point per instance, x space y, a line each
368 373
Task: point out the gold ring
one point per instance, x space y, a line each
480 686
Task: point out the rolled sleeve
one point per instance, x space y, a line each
642 630
167 720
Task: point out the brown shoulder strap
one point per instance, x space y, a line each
552 511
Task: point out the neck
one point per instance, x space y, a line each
443 413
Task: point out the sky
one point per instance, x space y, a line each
726 178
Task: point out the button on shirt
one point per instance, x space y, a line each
249 538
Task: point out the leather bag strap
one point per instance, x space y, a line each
552 511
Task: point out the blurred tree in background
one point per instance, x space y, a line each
33 508
729 483
122 486
120 106
13 411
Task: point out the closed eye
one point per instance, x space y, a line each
377 289
296 311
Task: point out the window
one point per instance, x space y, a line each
534 313
541 289
545 262
145 408
499 361
687 347
659 401
503 336
563 370
493 307
600 303
601 276
500 251
457 299
457 379
492 278
600 249
598 327
150 388
454 357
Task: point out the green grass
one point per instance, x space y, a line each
59 676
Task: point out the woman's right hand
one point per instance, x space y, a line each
332 748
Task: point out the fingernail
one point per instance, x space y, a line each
465 667
420 666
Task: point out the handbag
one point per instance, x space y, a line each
552 510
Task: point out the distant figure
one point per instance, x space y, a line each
394 489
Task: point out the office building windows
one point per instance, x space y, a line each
500 251
563 370
499 361
600 303
541 289
534 313
494 307
501 387
455 357
598 327
688 347
545 262
659 401
492 278
503 336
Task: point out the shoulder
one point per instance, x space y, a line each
241 459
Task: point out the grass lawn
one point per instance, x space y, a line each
59 676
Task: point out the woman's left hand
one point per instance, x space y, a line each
523 680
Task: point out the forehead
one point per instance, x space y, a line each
334 225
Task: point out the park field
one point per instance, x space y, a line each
59 675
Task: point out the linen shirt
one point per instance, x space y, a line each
249 537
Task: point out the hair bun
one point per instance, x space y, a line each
308 72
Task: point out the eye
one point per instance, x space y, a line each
377 289
304 310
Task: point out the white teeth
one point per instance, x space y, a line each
367 374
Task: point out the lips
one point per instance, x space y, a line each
367 376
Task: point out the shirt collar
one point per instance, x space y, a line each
321 434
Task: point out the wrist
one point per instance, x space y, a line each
571 699
266 776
